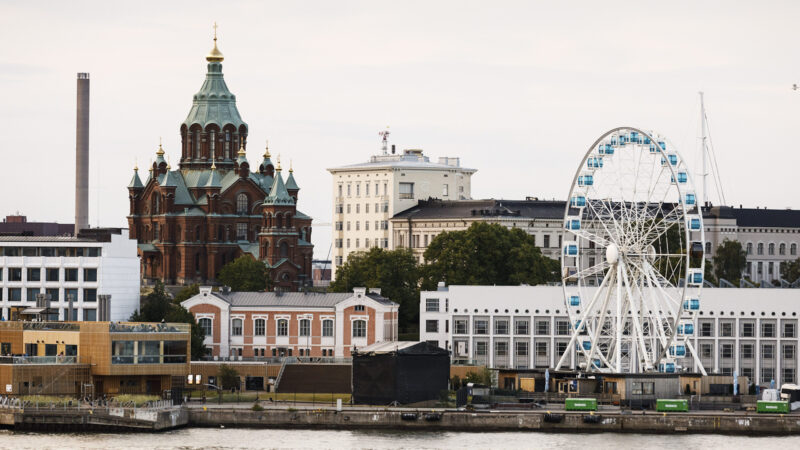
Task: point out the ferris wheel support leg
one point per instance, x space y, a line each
601 321
618 330
582 326
667 343
695 357
648 364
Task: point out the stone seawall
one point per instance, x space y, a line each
722 423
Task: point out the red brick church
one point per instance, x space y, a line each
192 221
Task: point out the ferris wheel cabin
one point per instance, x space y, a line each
585 180
577 201
570 248
573 223
691 304
695 277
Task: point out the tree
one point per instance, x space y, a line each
730 260
790 271
228 377
487 254
158 307
244 274
395 272
187 293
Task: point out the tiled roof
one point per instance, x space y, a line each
290 299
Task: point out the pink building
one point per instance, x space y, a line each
265 324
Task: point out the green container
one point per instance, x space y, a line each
763 406
581 404
671 405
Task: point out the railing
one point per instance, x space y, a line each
39 359
148 359
123 327
279 359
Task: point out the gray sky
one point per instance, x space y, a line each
518 90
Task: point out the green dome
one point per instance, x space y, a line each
214 103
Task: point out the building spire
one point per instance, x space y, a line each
266 153
279 163
160 151
290 166
215 55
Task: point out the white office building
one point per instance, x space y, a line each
367 195
754 331
97 262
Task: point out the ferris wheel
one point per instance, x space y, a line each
632 257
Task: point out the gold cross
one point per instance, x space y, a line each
215 31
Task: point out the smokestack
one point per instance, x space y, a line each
82 155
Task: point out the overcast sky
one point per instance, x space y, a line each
518 90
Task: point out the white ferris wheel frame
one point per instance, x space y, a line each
630 297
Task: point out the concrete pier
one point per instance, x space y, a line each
99 419
716 422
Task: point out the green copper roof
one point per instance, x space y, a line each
214 180
168 179
290 183
214 103
278 195
136 182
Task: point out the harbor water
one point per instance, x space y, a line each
191 438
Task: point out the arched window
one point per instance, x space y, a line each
279 220
236 327
760 248
327 328
156 232
205 325
359 328
749 248
305 327
260 327
196 143
288 220
771 248
782 249
284 250
197 233
283 327
241 204
793 249
197 262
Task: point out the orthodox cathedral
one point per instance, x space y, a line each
192 221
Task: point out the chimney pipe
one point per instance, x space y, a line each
82 155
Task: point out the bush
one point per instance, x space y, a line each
257 407
228 377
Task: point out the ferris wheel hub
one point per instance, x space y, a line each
612 254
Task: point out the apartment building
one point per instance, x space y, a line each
752 331
100 261
367 195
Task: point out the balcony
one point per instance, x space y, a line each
39 360
123 327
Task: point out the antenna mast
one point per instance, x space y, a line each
384 140
703 148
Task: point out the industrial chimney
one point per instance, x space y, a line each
82 155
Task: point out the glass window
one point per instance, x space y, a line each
747 351
501 326
542 327
481 326
90 315
501 348
52 275
480 348
432 304
359 308
260 327
71 293
541 349
89 274
14 294
789 330
205 325
359 328
706 351
327 328
305 327
406 190
726 351
283 327
53 293
767 351
767 330
175 352
748 329
521 326
122 352
70 274
241 204
34 275
522 348
149 352
460 326
788 351
14 274
706 329
236 327
90 295
31 294
432 326
562 327
726 329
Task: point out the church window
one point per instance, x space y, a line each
241 204
156 232
284 250
196 142
288 220
241 231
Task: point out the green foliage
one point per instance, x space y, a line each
790 271
455 382
395 272
486 254
244 274
729 261
484 377
158 307
228 377
257 406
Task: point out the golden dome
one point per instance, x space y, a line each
215 55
